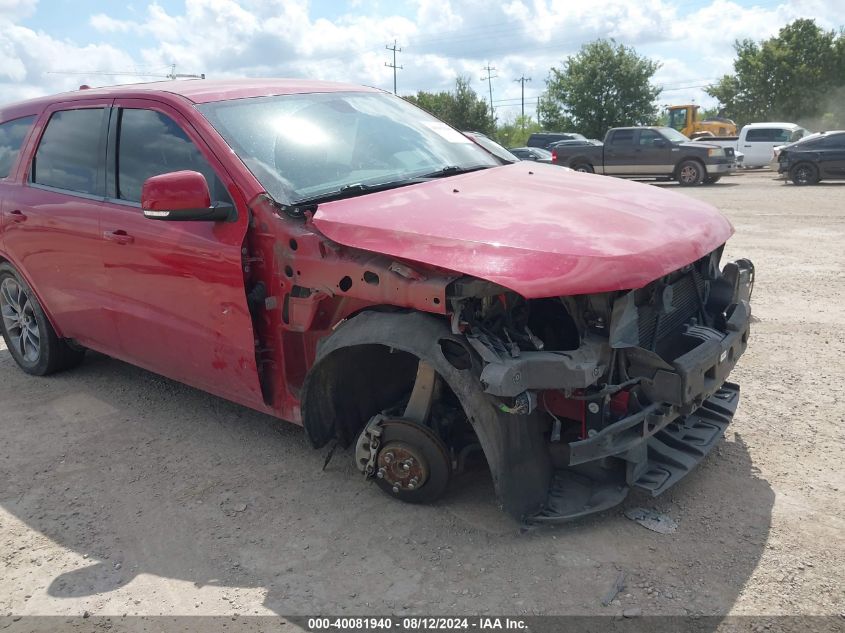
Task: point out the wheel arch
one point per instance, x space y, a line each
513 445
693 158
581 158
4 259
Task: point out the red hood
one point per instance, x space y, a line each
537 229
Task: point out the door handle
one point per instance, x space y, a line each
18 215
746 146
119 236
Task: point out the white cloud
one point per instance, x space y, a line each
440 38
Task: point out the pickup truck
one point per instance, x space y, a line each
650 152
333 256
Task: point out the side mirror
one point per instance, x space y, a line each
181 196
660 142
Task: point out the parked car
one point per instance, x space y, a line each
757 140
814 158
493 147
334 256
537 154
777 148
650 152
545 139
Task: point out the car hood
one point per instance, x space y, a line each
535 229
700 145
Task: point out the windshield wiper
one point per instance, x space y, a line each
454 170
347 191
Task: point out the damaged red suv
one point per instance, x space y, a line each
333 256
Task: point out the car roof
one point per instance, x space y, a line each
772 124
194 90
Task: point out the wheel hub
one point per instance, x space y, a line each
402 466
406 459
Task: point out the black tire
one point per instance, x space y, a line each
712 180
585 168
28 334
804 174
690 173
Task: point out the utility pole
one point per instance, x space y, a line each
489 79
395 50
522 81
538 110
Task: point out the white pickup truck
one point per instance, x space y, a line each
756 141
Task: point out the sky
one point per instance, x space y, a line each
49 46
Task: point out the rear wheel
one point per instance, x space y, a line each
804 174
690 173
585 168
31 339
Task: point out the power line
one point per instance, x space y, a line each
489 79
395 50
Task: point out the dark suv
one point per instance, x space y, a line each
544 139
814 158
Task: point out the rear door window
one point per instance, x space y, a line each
151 143
12 135
767 135
70 153
622 137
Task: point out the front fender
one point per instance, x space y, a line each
513 445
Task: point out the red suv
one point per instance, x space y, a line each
334 256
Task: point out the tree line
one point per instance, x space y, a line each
797 75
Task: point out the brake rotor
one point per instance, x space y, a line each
412 462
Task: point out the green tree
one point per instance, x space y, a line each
515 133
605 85
461 108
798 75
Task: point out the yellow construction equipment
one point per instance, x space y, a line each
684 118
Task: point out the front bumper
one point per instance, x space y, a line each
691 406
720 168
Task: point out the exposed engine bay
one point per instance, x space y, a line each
571 400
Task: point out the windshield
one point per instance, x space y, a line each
305 146
673 135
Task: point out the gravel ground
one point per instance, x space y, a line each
124 493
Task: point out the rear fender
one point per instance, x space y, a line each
5 259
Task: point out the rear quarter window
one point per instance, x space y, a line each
12 135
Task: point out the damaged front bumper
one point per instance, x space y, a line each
686 400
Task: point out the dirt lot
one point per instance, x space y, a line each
122 492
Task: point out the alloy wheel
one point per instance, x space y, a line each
689 174
803 175
19 320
